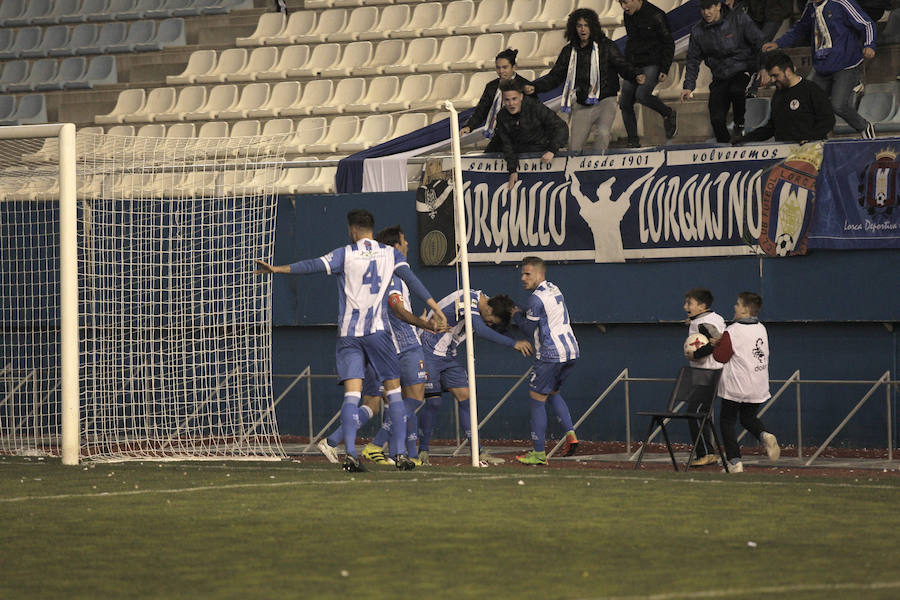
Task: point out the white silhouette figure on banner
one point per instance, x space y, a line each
604 216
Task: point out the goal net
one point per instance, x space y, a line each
173 328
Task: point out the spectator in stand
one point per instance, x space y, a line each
767 14
800 109
729 42
588 67
524 124
491 100
841 36
649 49
875 8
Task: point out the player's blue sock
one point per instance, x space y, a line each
350 421
464 418
412 427
397 410
562 412
538 424
426 421
384 434
336 437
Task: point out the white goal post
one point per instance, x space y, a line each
131 323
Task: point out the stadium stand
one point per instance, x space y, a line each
230 62
355 55
299 24
360 19
520 12
159 100
201 62
284 93
489 12
387 52
55 36
392 18
345 92
457 14
291 57
381 89
330 21
484 49
260 60
190 99
30 110
42 71
452 49
424 16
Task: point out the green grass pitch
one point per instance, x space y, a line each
288 530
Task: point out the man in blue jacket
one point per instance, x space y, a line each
841 36
729 42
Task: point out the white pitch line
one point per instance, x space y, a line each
777 589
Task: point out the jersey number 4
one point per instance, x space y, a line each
371 278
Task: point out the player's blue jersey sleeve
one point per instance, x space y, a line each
483 331
535 309
331 263
416 287
399 259
334 260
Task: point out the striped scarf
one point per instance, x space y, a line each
821 35
568 97
492 115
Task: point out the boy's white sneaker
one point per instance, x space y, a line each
734 467
771 444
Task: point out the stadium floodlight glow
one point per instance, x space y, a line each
462 263
131 324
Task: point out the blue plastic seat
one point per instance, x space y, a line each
13 72
10 9
117 8
170 32
33 9
70 69
7 106
757 113
26 39
32 109
55 36
83 35
60 9
110 34
42 71
140 32
87 11
100 71
141 7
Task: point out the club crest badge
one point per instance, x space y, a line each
789 195
879 184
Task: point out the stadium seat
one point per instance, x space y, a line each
200 62
61 8
547 52
7 106
693 387
253 96
140 10
414 88
283 94
387 52
521 12
172 8
381 89
71 69
418 51
111 34
83 35
298 24
330 21
490 12
223 7
447 86
151 130
221 98
345 92
617 33
474 90
190 99
457 14
32 109
14 71
33 8
311 4
554 15
231 61
341 129
355 55
361 19
270 24
139 32
322 184
393 18
375 129
128 102
55 36
756 114
170 33
10 9
114 9
452 50
275 127
307 131
526 74
26 39
213 129
101 71
181 130
424 16
293 178
315 93
89 11
526 42
323 56
483 53
260 60
409 122
291 57
244 129
348 3
7 36
159 100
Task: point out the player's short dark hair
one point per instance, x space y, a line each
590 17
511 85
502 306
752 301
708 3
509 54
389 236
360 218
534 261
777 58
701 295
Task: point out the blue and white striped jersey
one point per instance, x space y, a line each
444 344
553 338
364 271
405 336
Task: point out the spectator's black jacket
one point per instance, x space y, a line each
535 128
610 59
799 113
729 46
649 38
483 108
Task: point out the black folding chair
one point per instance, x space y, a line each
697 389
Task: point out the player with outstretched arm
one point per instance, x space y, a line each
364 269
